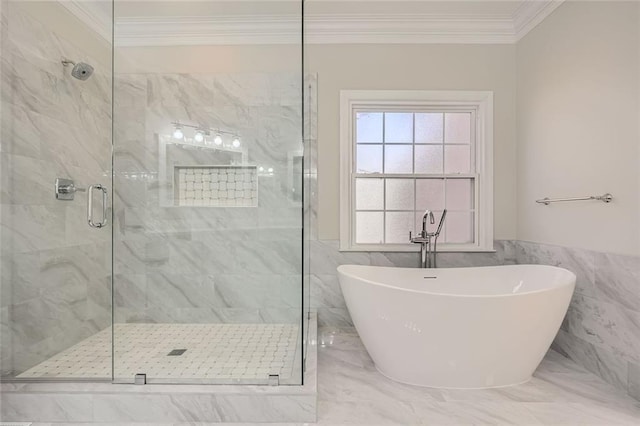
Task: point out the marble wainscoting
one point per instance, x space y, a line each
602 328
326 295
54 280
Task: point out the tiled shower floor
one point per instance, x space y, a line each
216 352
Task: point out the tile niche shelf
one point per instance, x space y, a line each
216 186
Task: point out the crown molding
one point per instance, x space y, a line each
530 14
92 15
392 28
319 29
408 29
215 30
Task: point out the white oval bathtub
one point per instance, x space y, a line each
459 327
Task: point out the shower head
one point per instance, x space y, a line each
81 70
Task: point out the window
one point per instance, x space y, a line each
403 152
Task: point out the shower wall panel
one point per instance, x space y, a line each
207 264
55 288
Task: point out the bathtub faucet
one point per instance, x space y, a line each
427 255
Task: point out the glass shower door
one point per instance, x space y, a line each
55 286
208 154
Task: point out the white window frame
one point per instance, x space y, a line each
480 101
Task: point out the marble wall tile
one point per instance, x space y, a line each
52 126
20 134
605 364
634 380
179 290
601 330
617 279
212 264
242 89
334 317
183 90
6 349
18 278
326 292
605 325
580 262
29 228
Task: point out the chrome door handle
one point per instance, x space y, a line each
105 203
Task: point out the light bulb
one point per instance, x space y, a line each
218 139
261 169
199 136
177 133
270 169
236 142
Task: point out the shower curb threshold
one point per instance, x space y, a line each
103 402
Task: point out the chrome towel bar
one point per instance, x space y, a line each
606 198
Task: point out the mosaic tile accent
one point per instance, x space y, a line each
213 351
217 186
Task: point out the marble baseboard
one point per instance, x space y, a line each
601 330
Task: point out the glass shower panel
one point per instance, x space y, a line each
208 203
55 287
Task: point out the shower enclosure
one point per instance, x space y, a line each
153 192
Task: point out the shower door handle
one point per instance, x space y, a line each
105 203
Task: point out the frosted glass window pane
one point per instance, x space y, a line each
459 194
369 159
430 227
369 127
457 127
397 227
428 159
429 194
398 127
459 226
457 159
429 127
398 159
399 194
369 227
369 194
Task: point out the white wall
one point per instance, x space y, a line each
429 67
578 94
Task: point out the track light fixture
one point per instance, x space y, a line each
201 136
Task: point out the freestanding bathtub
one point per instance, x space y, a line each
463 328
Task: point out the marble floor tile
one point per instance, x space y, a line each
352 392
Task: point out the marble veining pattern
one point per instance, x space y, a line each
218 352
351 391
602 328
54 279
155 246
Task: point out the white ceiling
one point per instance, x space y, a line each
171 22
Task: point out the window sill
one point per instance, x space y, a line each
415 248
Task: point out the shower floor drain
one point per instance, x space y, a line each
176 352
